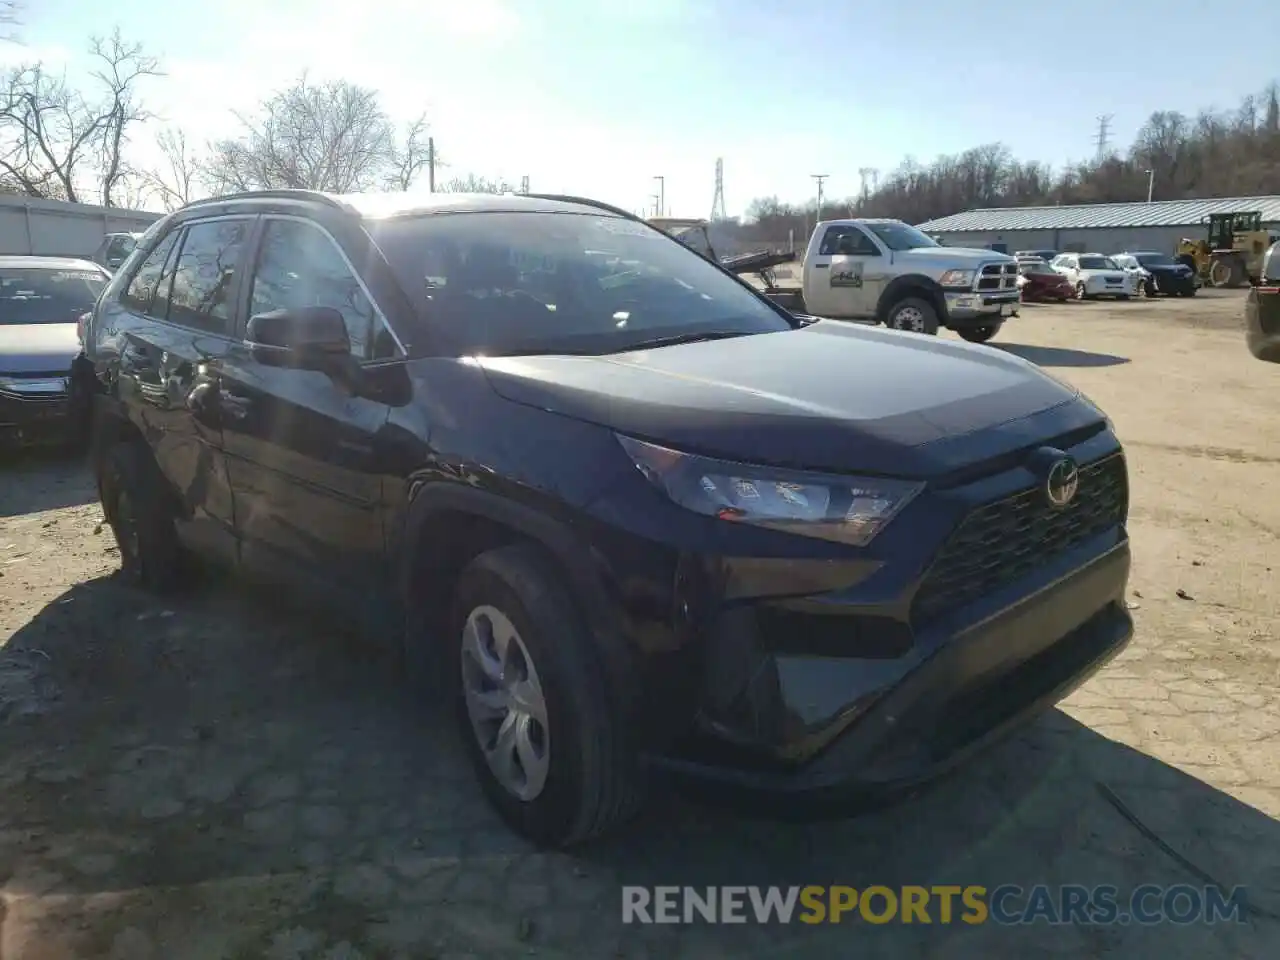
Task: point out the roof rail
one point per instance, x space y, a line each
280 194
585 201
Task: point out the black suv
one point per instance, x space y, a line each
1262 310
630 517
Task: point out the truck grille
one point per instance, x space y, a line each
1002 542
998 276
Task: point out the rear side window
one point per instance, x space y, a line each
204 277
141 292
847 241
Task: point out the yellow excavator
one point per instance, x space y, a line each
1230 255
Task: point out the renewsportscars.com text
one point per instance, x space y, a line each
943 904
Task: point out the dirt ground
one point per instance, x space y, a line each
218 778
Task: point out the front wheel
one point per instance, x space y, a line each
1082 292
1149 289
913 315
980 334
548 743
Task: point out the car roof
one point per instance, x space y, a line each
378 206
48 263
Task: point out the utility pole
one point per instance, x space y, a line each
1103 139
1151 184
657 203
819 178
718 211
431 164
662 195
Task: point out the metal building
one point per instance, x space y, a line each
1094 227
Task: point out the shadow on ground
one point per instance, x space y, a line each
1061 356
215 773
44 480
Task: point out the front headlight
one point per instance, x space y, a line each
957 278
844 509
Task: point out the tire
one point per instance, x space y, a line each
1189 293
1082 292
151 556
913 315
1063 299
980 334
589 784
1149 290
1123 296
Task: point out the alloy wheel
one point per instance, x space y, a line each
505 702
910 319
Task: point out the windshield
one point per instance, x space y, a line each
42 295
1039 267
1098 263
899 236
1156 260
510 283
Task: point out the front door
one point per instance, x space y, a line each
847 274
300 447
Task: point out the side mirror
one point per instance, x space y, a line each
306 338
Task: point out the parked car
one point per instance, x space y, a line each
1139 278
624 513
1041 282
41 301
1164 274
113 250
1093 275
1262 310
1045 255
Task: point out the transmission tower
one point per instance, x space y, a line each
1103 138
718 211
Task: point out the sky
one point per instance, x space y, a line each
599 99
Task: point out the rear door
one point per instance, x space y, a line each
300 446
175 320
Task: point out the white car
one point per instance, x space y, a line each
1140 275
1094 275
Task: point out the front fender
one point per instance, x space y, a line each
911 284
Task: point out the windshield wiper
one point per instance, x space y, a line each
676 339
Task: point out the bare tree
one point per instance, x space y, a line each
55 140
176 182
473 183
331 136
410 156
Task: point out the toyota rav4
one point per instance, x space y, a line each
629 519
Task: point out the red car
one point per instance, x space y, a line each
1041 282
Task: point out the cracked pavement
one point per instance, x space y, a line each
221 777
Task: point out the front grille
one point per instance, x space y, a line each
999 543
998 276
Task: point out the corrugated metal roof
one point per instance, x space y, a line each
1162 213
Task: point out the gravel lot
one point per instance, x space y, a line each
219 778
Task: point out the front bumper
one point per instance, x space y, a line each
979 685
1174 285
1099 288
49 415
981 308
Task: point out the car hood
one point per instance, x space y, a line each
830 396
37 347
1178 269
950 256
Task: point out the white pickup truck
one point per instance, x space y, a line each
890 272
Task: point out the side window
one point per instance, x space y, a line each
142 288
205 275
847 241
1271 269
299 266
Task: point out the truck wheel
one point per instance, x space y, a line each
914 315
151 556
551 752
980 334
